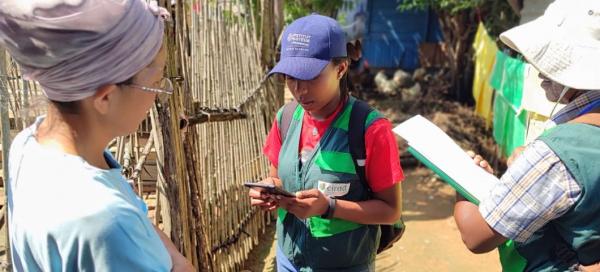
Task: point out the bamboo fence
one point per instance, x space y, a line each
228 109
193 154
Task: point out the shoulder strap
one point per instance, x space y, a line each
356 137
286 118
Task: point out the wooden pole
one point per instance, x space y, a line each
268 38
6 140
278 19
214 116
278 89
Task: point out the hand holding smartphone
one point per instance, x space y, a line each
268 189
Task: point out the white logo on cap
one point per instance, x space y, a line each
298 41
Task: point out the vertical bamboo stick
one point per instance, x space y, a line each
163 209
6 140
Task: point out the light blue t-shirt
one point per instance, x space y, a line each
67 215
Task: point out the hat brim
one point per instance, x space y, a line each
300 67
567 60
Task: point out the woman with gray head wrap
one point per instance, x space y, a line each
100 64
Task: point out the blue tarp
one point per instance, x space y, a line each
393 37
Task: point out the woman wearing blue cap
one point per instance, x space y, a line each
341 196
100 65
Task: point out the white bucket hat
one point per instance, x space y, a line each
563 44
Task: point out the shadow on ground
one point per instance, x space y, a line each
425 197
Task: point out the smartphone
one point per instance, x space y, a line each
269 189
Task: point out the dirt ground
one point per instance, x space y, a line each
431 242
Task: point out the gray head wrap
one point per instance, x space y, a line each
73 47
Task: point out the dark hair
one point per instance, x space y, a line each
345 83
73 107
126 82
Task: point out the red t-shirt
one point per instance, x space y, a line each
382 166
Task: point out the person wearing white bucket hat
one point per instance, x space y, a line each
546 201
562 81
563 44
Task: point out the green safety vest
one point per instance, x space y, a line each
573 238
318 244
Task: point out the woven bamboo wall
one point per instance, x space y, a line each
191 157
214 50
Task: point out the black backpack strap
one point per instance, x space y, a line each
356 138
286 118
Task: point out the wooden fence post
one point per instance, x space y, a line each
6 140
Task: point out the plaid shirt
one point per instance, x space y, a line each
575 108
538 187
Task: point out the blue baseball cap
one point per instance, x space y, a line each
308 45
